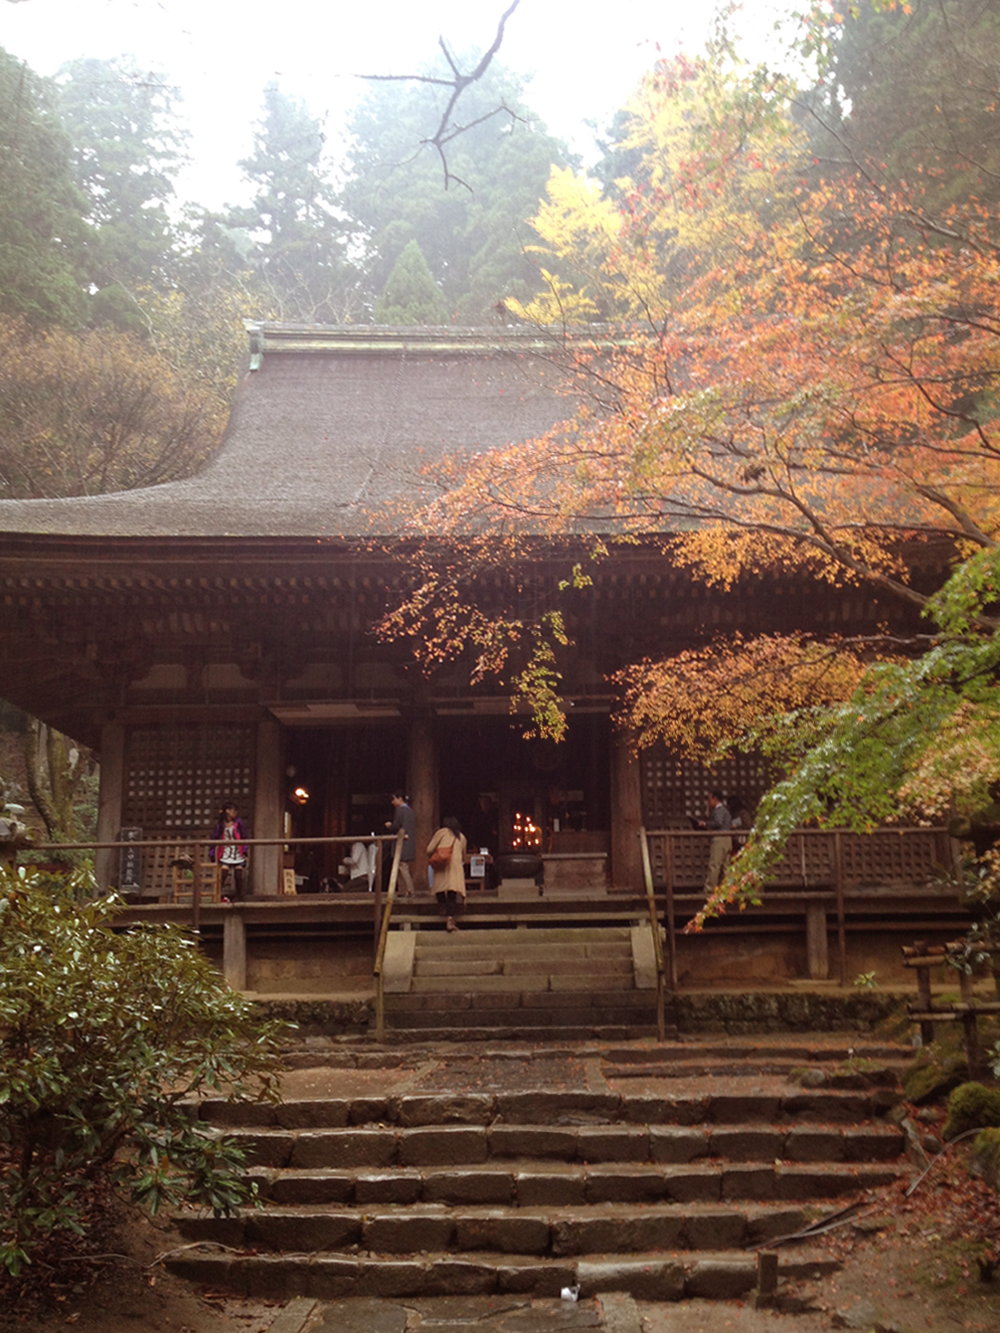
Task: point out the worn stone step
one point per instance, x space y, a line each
598 978
594 1005
506 1176
606 966
483 945
473 937
743 1055
449 1145
553 1232
493 1116
537 1183
401 1035
715 1275
515 1022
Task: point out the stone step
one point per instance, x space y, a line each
601 977
516 1031
516 966
479 948
473 935
445 1145
524 1169
492 1113
549 1183
651 1276
439 1007
549 1233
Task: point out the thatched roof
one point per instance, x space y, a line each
330 429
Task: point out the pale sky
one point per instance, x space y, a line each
584 57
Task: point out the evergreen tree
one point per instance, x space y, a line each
126 150
911 94
411 295
40 208
299 239
472 233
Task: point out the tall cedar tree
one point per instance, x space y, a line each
41 231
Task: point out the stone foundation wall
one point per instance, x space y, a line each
779 957
309 967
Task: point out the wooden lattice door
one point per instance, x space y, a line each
176 780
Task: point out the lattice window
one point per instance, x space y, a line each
674 788
176 779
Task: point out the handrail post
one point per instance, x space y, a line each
196 892
383 936
668 847
838 852
377 897
654 925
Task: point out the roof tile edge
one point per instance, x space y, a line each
268 338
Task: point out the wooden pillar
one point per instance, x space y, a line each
817 954
110 802
924 995
422 784
626 814
234 946
268 807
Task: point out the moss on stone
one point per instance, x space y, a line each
971 1106
934 1074
986 1155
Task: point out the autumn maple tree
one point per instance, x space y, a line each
796 371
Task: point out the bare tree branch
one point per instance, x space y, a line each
446 131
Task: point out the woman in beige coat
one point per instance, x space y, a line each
449 880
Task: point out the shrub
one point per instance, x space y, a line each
106 1037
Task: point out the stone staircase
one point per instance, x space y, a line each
660 1171
566 982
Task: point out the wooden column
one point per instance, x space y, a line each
234 946
817 952
626 814
422 784
268 807
110 800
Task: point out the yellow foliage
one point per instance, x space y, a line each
697 203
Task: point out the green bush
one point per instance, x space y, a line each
106 1037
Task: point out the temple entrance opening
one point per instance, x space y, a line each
511 791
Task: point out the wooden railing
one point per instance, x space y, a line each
161 852
813 858
820 870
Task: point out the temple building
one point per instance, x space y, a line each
212 637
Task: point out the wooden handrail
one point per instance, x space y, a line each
654 926
383 936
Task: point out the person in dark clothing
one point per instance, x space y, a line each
404 818
719 821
